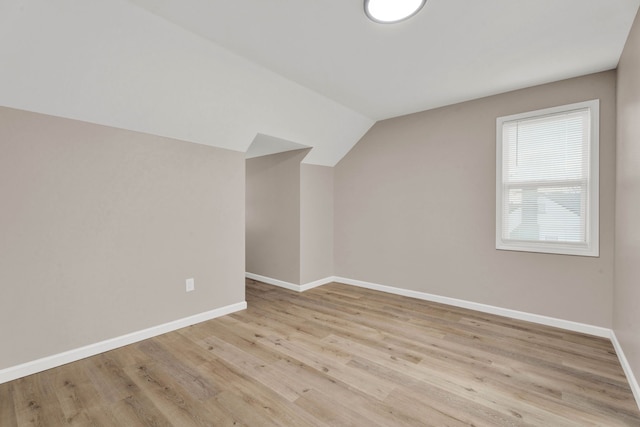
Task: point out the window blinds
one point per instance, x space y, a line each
545 178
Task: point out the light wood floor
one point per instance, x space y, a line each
332 356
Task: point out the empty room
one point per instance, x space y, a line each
319 213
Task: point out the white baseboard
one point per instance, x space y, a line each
288 285
22 370
514 314
626 367
39 365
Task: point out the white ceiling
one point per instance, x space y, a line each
453 50
116 64
263 145
310 72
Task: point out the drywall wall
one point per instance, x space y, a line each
415 209
100 227
289 216
626 318
273 215
316 223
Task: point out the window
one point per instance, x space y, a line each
547 180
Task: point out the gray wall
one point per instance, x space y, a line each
100 227
289 218
415 209
273 215
316 222
626 320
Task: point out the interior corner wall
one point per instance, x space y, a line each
273 215
415 209
316 222
626 304
100 228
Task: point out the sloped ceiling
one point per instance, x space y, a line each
452 51
113 63
314 73
263 145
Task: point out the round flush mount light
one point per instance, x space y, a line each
389 11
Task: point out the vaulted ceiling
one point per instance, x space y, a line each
313 73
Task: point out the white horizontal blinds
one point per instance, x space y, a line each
545 176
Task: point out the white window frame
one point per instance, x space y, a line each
592 246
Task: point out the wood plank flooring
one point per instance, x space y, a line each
337 356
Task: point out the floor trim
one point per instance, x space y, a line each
514 314
626 367
484 308
39 365
288 285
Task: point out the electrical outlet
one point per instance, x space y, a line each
191 284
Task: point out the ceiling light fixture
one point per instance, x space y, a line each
389 11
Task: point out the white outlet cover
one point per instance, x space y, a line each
191 284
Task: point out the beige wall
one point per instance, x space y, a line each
289 218
273 215
100 227
626 319
316 222
415 209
